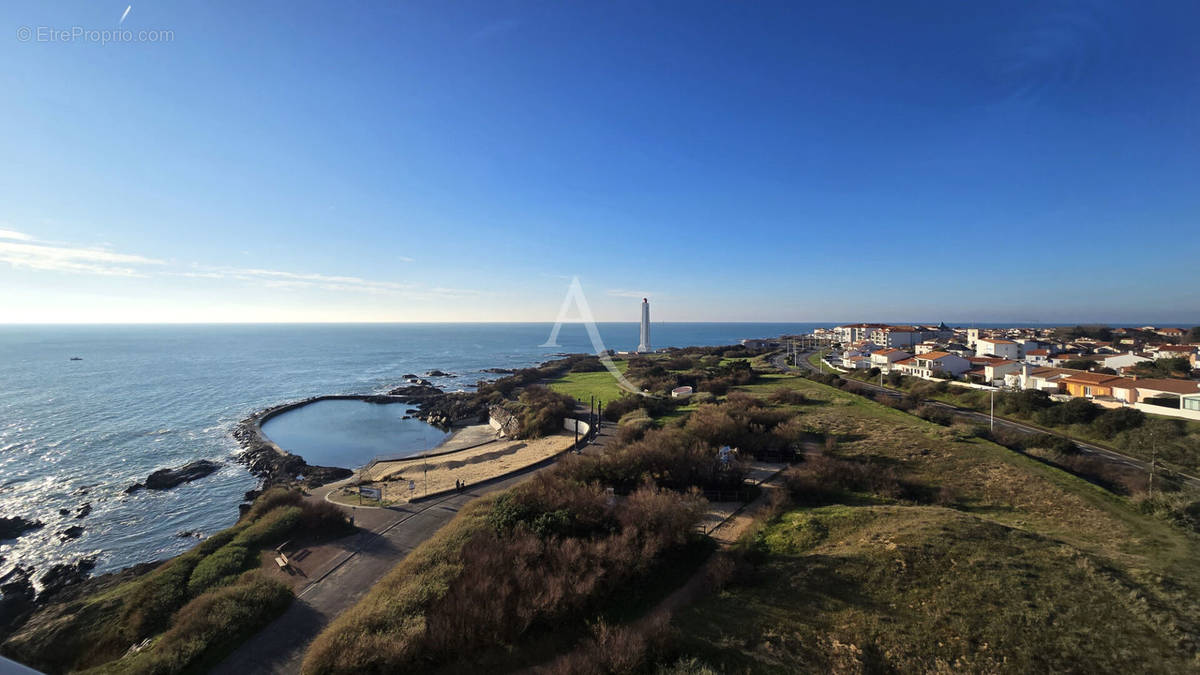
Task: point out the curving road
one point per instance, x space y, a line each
1091 449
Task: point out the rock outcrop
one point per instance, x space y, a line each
165 479
63 575
11 528
274 467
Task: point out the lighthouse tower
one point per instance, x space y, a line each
644 345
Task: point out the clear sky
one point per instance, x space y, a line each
461 161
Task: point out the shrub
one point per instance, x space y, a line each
615 410
935 414
226 562
270 529
1025 402
271 500
1075 411
788 397
510 583
213 624
542 411
1112 422
964 431
323 519
1053 443
824 480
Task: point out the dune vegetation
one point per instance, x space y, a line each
892 543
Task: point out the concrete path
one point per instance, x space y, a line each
370 554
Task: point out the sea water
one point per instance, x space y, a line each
148 397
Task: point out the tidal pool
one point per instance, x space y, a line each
349 433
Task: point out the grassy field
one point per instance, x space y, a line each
1022 568
583 386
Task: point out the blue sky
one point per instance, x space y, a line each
461 161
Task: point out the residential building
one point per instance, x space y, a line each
934 363
990 370
1174 351
854 332
896 336
1037 357
1124 360
885 358
926 347
999 347
1090 385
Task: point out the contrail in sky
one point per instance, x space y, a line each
125 15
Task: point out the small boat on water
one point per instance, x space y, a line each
76 358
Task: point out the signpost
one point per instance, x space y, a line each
370 493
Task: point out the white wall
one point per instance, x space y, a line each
1169 412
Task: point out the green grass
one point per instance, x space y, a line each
583 386
1032 570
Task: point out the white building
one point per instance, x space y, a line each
934 363
998 347
1124 361
1037 357
885 358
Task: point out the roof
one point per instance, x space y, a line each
901 329
907 362
890 350
1091 378
1176 348
1171 331
1168 385
934 356
996 341
1038 352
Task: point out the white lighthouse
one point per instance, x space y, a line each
644 346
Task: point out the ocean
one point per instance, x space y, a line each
147 397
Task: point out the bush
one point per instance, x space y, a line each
271 528
935 414
1025 402
1112 422
271 500
1053 443
788 397
1075 411
209 627
825 480
542 411
227 561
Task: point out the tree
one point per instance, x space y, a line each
1194 334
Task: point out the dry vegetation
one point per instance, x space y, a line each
913 546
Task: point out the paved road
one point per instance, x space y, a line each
982 418
280 647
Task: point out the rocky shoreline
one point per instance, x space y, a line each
275 466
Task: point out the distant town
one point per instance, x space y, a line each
1148 368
